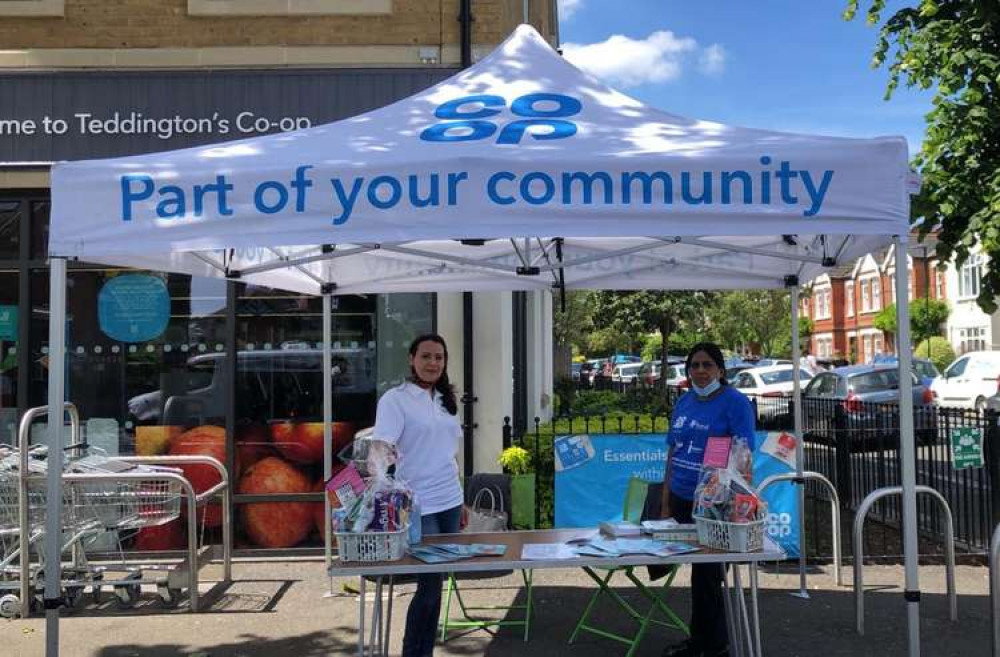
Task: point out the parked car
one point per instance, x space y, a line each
649 373
618 359
676 376
771 362
869 397
594 369
734 366
969 381
770 382
774 381
625 372
925 370
575 370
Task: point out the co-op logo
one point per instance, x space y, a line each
466 118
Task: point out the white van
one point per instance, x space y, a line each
968 381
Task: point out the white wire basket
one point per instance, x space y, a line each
372 546
731 536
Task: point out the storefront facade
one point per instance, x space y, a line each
143 381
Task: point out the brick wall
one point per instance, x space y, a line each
165 23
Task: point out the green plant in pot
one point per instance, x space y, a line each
517 462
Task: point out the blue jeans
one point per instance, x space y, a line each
425 608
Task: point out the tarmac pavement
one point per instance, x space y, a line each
279 608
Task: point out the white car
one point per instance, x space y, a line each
969 381
625 372
775 381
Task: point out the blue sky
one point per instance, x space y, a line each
792 65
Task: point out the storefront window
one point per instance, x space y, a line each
8 356
149 382
11 215
166 391
401 317
40 229
279 408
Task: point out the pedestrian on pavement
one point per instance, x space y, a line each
710 408
420 417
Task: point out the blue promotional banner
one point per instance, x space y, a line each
775 454
133 307
592 474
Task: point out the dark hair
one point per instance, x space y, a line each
714 353
442 385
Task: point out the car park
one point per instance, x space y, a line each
866 398
969 381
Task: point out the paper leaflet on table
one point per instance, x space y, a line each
444 552
547 551
603 547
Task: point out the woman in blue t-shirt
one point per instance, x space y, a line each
710 408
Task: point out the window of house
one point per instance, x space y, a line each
972 339
32 7
877 344
969 276
823 303
287 7
867 346
939 281
876 294
866 300
849 293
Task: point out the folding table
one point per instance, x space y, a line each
743 621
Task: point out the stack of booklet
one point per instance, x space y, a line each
444 552
670 530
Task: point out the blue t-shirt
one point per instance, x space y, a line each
693 422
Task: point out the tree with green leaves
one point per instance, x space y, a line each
637 313
952 46
926 318
762 317
571 324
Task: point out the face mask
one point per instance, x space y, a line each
707 390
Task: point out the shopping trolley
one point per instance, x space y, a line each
100 495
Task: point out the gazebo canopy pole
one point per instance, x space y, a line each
53 499
907 448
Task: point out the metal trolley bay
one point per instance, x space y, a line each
105 499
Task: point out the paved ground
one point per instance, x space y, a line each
279 609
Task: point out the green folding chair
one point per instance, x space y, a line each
658 612
449 627
469 622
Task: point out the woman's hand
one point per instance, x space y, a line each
464 521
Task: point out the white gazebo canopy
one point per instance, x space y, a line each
519 173
567 180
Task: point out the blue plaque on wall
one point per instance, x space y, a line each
133 307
